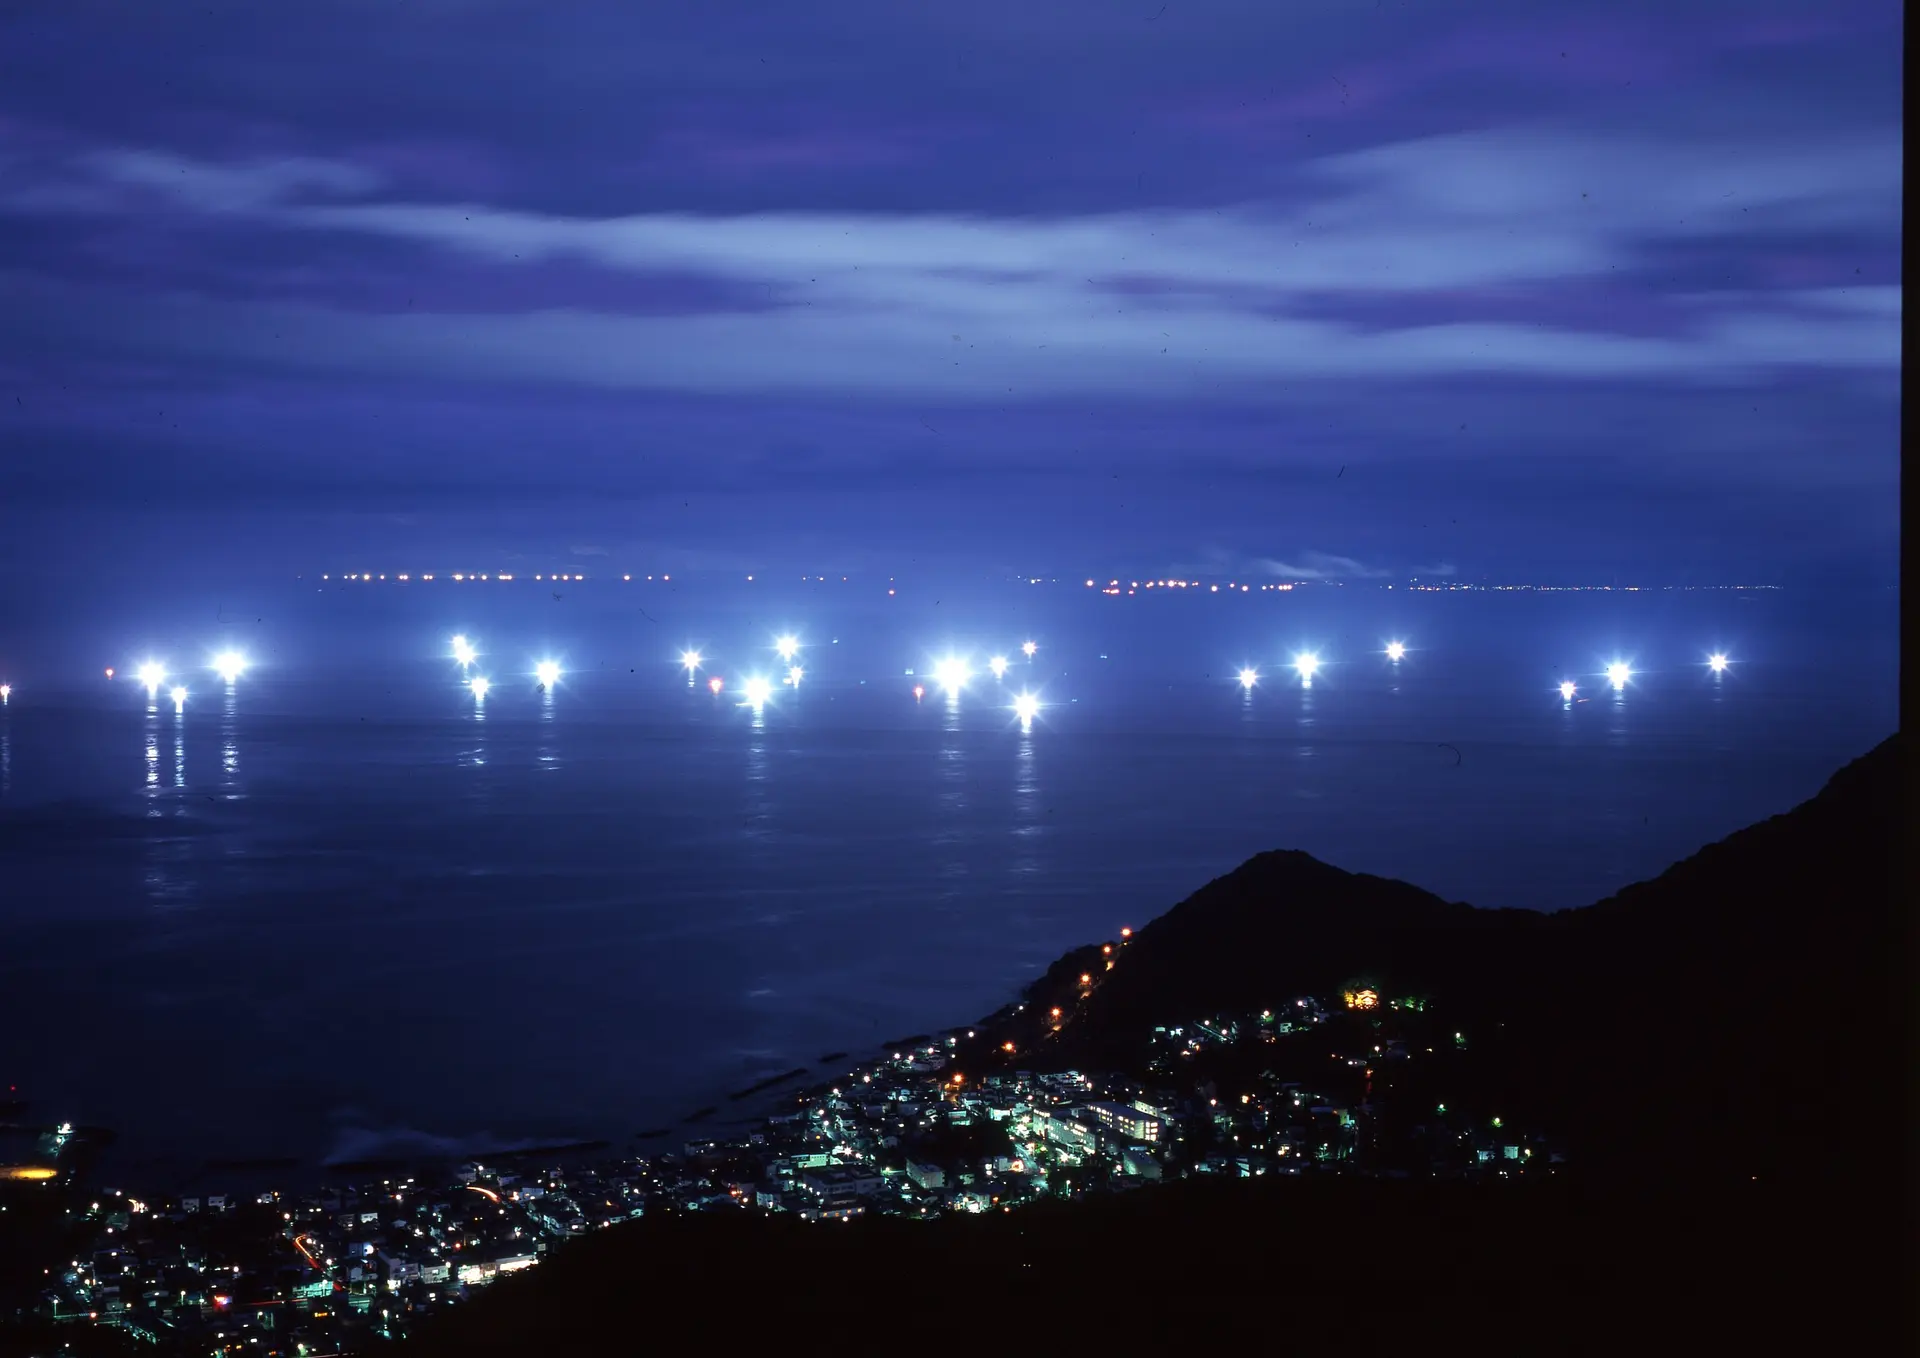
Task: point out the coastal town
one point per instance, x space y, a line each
951 1123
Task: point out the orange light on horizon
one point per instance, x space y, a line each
28 1173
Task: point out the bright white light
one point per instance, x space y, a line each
1717 662
1026 706
999 666
1396 649
6 693
793 676
1306 662
1027 648
230 665
480 684
1618 673
787 645
690 661
547 672
463 651
179 696
758 691
952 674
152 674
1567 689
716 683
1249 677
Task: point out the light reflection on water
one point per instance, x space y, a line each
548 758
1618 732
758 798
952 772
1027 821
474 756
230 741
153 754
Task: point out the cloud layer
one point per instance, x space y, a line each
1534 253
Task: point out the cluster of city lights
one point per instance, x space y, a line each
1619 673
546 673
952 673
152 674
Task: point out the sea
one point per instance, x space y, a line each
343 909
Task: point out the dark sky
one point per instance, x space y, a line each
1568 289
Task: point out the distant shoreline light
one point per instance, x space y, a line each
1113 587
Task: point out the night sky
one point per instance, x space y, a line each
1530 291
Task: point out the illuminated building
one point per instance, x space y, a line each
1128 1122
1059 1129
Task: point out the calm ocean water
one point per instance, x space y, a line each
342 909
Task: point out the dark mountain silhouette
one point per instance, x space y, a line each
1723 1047
1712 1022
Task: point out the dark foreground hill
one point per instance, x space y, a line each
1544 1270
1724 1048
